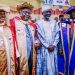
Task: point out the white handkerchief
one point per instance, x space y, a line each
63 24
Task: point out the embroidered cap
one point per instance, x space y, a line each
4 8
24 5
45 7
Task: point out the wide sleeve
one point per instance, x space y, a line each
56 36
41 36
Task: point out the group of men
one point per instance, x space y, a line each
40 48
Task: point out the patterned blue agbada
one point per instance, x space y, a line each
48 35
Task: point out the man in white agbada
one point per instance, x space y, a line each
48 34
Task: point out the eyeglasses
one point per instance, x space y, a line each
25 12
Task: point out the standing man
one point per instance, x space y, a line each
48 34
71 12
7 55
63 47
25 39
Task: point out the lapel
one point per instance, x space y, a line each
10 49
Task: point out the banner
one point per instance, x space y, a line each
58 2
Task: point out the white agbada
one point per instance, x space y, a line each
48 33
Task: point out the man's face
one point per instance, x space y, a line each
47 14
2 16
73 14
62 18
25 14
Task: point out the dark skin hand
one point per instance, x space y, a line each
51 48
37 45
60 52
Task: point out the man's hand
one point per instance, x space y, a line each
37 45
51 48
60 52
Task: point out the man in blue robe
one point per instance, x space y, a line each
63 47
71 12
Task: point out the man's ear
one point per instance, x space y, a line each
42 13
20 13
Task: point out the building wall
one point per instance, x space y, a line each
35 3
72 2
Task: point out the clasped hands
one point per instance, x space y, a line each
51 48
37 45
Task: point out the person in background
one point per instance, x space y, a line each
48 34
7 53
56 19
63 47
71 12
